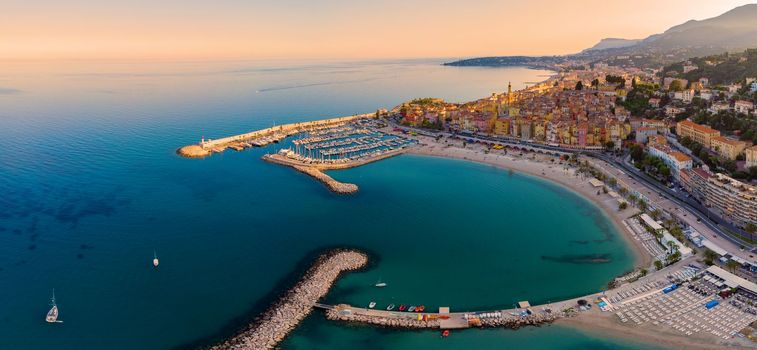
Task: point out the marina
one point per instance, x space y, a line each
267 136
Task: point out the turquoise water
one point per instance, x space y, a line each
90 186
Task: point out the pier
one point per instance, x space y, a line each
282 317
444 320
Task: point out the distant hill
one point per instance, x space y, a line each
735 30
613 43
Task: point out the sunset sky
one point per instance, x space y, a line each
351 29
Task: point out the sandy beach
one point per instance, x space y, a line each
545 167
549 167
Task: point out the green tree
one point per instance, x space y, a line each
642 205
658 264
579 86
672 247
643 272
622 206
595 83
709 256
637 152
732 266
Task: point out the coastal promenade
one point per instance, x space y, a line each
262 137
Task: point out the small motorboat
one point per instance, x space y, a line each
445 333
420 308
411 309
155 261
380 284
403 307
372 305
390 307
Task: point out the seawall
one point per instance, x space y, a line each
282 317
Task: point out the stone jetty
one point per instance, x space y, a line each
333 185
407 320
282 317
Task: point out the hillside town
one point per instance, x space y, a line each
693 136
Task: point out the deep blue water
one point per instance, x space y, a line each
90 186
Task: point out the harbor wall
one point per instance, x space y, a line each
284 128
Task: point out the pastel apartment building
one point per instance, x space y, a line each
728 148
699 133
743 106
734 200
751 156
675 160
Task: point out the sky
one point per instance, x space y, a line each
328 29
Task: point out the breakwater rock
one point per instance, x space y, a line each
282 317
408 321
333 185
193 151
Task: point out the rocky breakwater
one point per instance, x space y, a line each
515 322
193 151
383 319
282 317
333 185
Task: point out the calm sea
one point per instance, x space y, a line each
90 187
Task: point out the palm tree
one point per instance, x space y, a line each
672 246
658 264
732 266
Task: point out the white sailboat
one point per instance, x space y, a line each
155 261
380 284
52 315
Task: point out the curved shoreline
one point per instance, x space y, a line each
283 316
544 172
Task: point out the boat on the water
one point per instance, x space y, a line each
390 307
403 307
372 305
155 261
420 308
380 284
411 309
52 315
445 333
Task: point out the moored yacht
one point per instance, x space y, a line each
52 315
